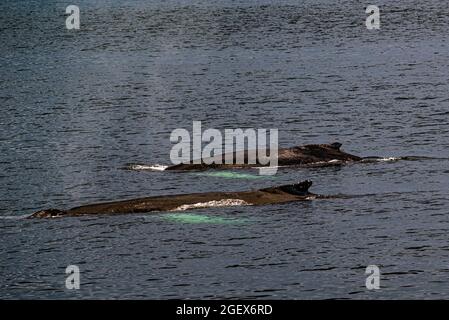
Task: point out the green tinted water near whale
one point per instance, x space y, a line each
232 175
201 218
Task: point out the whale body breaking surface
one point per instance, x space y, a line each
273 195
306 155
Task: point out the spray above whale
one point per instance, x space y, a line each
273 195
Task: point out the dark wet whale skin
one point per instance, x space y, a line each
293 156
280 194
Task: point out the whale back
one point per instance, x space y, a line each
314 153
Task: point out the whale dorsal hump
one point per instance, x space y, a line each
335 145
301 188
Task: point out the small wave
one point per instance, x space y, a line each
213 203
405 158
139 167
14 217
332 162
388 159
418 158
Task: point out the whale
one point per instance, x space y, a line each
306 155
181 202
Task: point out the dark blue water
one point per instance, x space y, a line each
77 106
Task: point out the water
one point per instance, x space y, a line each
77 107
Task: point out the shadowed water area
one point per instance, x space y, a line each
79 106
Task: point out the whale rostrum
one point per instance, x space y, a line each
272 195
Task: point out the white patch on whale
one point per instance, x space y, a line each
213 203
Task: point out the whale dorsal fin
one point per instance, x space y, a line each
335 145
301 188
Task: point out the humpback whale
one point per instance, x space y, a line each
306 155
272 195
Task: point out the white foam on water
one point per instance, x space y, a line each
388 159
14 217
325 162
213 203
154 167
